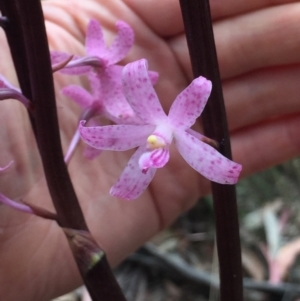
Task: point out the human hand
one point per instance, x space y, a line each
258 54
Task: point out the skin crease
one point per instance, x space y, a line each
258 48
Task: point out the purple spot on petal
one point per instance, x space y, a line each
151 96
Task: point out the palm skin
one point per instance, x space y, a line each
258 50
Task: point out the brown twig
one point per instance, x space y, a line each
181 272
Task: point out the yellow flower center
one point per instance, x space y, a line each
154 142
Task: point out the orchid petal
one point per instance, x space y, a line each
114 100
206 160
94 42
95 83
91 153
195 134
121 45
190 103
115 137
133 182
82 97
153 75
140 93
154 159
203 138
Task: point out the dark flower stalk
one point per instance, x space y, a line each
26 35
200 38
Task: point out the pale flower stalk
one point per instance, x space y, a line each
154 137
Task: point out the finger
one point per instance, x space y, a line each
62 13
269 37
267 144
261 95
74 15
164 17
223 9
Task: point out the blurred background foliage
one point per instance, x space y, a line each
181 264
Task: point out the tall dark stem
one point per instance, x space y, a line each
27 39
200 38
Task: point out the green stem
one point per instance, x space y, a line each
200 38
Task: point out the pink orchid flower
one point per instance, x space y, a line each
106 80
154 137
107 96
97 54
